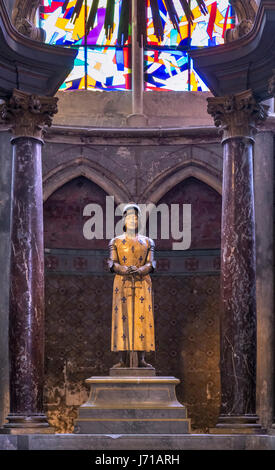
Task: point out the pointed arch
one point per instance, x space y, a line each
63 173
170 178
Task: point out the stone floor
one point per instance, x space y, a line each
63 442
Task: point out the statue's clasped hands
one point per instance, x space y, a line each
133 270
130 270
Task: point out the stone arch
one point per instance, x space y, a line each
168 179
91 170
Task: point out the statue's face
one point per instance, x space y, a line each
131 220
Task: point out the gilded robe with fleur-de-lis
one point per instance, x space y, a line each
132 309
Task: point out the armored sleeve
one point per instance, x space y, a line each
113 256
113 260
151 254
150 263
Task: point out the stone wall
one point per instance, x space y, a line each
110 109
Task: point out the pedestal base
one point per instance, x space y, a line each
132 405
132 372
21 424
237 425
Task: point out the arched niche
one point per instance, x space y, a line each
205 213
93 171
78 298
63 215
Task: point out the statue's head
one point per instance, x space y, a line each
131 213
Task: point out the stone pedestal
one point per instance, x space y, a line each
132 404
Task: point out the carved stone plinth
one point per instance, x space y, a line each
132 405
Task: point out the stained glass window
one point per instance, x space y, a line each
102 64
99 64
167 63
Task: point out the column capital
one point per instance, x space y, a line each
27 113
237 115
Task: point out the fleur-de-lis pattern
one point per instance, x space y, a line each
132 252
185 338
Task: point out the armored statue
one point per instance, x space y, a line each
131 258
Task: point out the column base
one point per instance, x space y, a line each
24 424
242 424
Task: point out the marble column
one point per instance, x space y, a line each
237 117
27 114
271 89
5 185
264 210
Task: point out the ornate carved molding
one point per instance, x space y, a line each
27 114
246 12
245 9
23 18
237 115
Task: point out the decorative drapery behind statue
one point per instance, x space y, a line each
132 259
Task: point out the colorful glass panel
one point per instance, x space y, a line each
171 70
64 29
100 68
166 70
108 68
76 79
206 30
99 63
